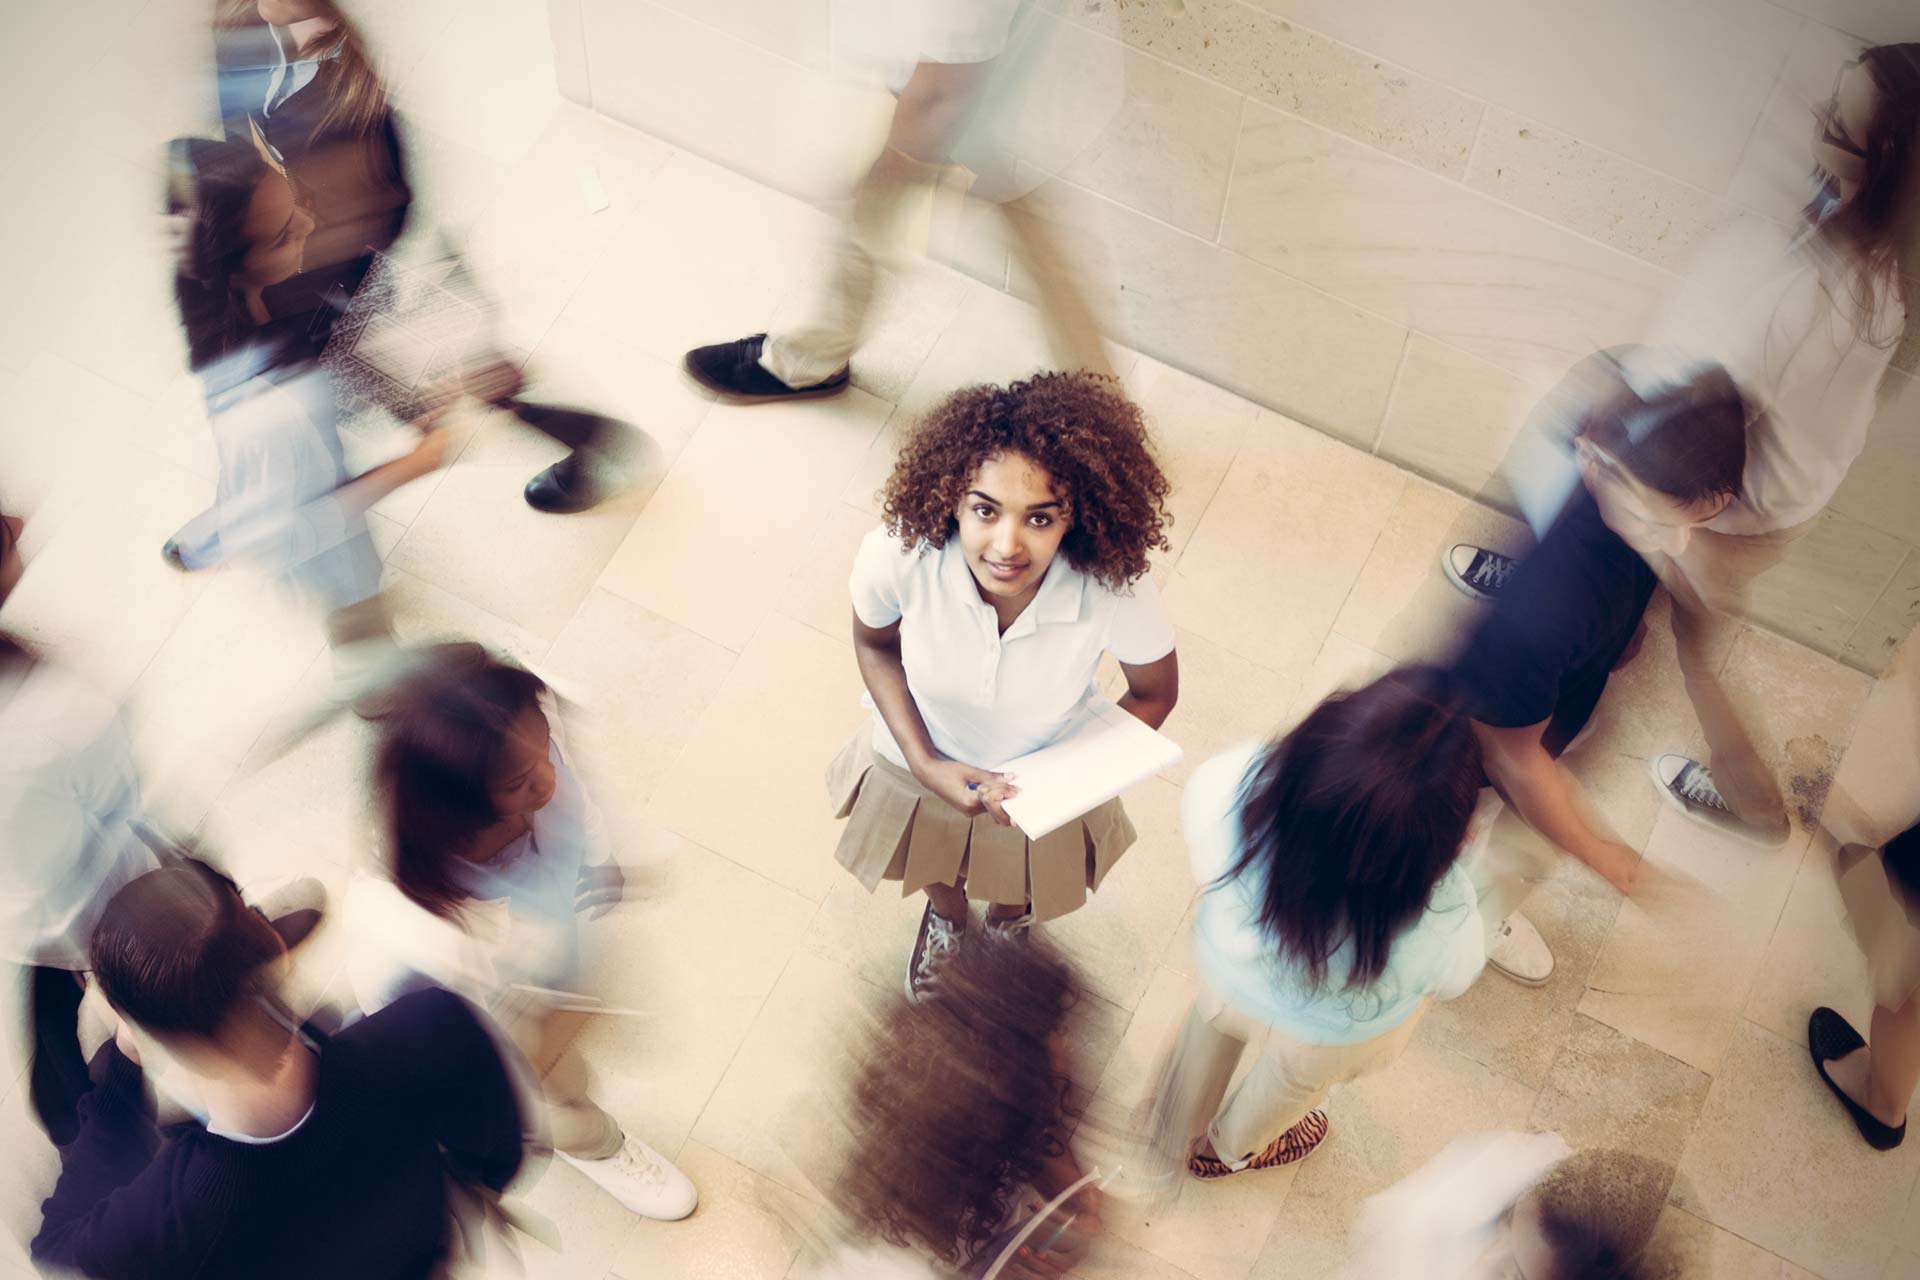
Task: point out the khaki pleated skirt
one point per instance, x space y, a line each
898 830
1884 921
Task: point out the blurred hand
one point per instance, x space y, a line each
600 889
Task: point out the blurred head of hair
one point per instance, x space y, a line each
1593 1215
181 955
211 186
12 563
1877 225
442 733
1351 819
357 98
1686 440
1902 858
956 1100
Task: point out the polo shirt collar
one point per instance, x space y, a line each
1059 599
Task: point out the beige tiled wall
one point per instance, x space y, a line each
1395 222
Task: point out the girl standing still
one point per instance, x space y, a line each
1014 555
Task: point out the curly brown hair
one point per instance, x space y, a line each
957 1100
1081 428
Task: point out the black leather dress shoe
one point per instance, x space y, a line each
733 369
1830 1036
565 487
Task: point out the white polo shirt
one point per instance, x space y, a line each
988 698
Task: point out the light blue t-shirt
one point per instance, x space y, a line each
1439 954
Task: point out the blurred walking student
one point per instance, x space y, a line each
319 1156
1653 464
68 798
1874 1077
1014 555
284 500
298 75
959 72
1807 323
1516 1206
493 848
956 1107
1334 910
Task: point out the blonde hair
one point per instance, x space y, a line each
358 98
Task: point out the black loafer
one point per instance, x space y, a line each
565 487
1830 1036
733 369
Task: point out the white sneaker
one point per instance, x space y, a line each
1521 953
641 1179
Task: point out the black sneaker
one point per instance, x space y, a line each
939 939
733 369
1688 786
1477 571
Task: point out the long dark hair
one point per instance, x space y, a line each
956 1101
1871 229
211 184
442 729
1351 819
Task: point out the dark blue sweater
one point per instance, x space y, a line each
406 1098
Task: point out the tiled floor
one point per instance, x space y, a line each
702 617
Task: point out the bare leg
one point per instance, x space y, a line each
1882 1076
1739 773
949 901
1073 330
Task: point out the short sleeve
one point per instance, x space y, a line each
1140 631
879 576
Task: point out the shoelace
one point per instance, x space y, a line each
1009 927
632 1161
1695 784
1490 570
942 939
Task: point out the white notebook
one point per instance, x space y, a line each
1107 754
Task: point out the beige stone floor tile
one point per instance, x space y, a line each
696 948
1883 477
425 614
65 421
1198 430
740 1229
1481 276
1828 583
1775 1160
477 537
1342 664
1677 976
96 594
704 257
305 810
240 650
1301 71
1686 1248
1890 620
1712 64
1575 184
1277 552
1453 415
870 934
1116 938
1811 959
1168 149
759 798
1249 326
590 1225
1224 701
1803 708
776 1110
487 80
816 592
721 538
1515 1030
1402 604
1608 1091
1383 1128
1901 1265
797 31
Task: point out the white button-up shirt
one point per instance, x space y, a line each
988 698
